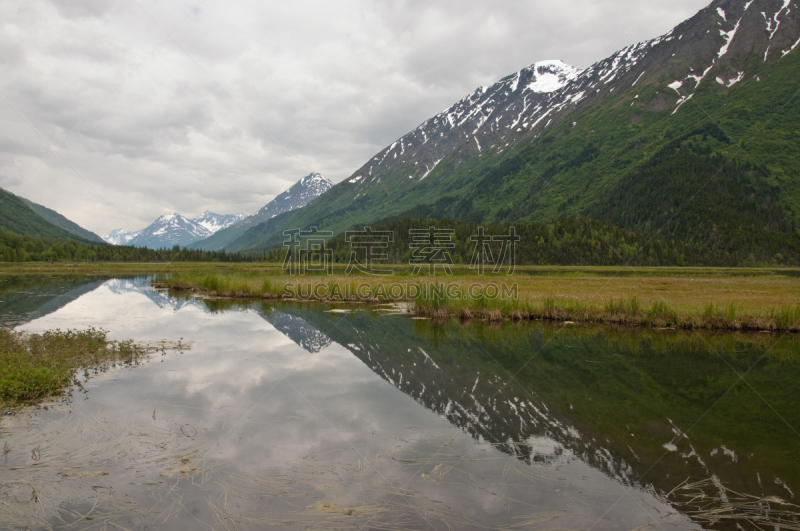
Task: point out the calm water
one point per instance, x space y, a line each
310 416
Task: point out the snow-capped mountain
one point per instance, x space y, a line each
477 121
216 222
170 230
120 236
726 45
303 192
715 44
299 195
174 229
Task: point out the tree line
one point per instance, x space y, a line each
568 241
17 248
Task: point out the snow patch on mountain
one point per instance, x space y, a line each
120 236
216 222
552 75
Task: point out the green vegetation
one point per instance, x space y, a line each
39 366
630 312
569 241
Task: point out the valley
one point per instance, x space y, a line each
570 300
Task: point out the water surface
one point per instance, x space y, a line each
338 417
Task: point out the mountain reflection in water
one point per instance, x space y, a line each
648 408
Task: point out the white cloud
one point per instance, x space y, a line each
186 126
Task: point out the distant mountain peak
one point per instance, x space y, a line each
174 229
314 177
120 236
550 139
299 195
550 76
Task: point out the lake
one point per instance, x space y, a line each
342 417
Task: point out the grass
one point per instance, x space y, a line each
36 366
722 299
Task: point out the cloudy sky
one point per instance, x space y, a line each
114 112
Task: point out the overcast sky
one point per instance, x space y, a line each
114 112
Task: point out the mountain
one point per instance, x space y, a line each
120 236
217 222
651 138
60 221
168 231
18 216
300 194
174 229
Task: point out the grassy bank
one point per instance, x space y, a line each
35 366
711 299
460 271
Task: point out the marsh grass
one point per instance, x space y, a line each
764 304
786 316
35 366
234 285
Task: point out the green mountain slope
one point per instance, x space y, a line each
578 169
19 218
60 221
713 159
